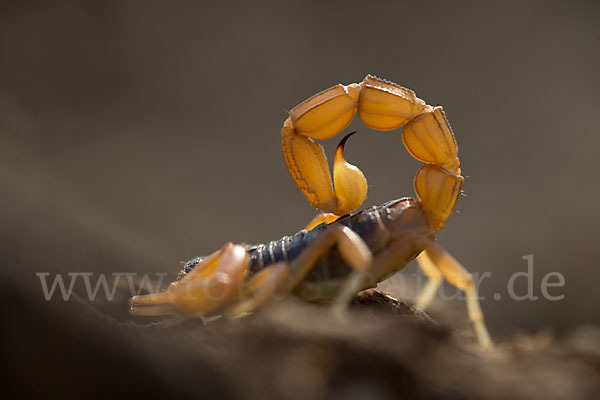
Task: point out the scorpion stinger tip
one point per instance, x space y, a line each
349 182
344 139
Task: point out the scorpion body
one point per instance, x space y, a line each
331 270
339 254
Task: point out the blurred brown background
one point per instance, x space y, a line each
137 134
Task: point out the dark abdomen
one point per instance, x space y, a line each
365 224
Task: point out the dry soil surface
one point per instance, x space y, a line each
384 349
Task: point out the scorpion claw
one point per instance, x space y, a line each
152 304
212 284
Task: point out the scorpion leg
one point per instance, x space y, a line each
271 279
260 288
352 248
395 258
458 276
433 283
214 282
387 262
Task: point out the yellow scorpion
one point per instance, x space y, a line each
339 254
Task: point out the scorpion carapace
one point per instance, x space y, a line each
384 106
339 254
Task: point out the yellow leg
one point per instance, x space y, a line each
387 262
433 283
354 284
352 248
213 283
458 276
395 257
260 288
284 278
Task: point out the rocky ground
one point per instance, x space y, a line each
385 349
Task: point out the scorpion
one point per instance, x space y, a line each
339 254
